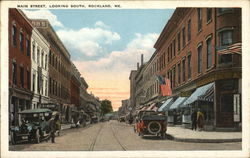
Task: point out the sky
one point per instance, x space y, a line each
105 45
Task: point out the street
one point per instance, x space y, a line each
115 136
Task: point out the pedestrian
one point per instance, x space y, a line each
52 124
200 120
194 119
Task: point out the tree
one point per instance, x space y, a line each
106 106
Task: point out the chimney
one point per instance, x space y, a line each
138 66
141 59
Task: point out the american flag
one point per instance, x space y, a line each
232 49
165 86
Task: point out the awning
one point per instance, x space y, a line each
151 106
196 95
209 96
166 105
177 103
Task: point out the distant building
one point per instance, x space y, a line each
132 87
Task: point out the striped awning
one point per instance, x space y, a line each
166 105
152 106
209 96
232 49
177 103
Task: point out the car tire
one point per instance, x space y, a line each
154 132
38 137
12 137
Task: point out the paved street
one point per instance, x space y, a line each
116 136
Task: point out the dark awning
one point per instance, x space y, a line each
166 105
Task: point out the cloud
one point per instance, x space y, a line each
87 41
43 14
111 73
102 25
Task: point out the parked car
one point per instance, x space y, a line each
35 126
151 123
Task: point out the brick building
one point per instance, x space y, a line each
59 67
199 50
20 95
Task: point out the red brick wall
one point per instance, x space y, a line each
178 22
20 57
74 92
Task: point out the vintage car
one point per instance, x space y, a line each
151 123
34 128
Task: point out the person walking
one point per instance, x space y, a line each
200 120
194 120
52 124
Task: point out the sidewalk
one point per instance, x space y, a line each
188 135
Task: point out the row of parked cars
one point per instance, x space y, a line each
35 126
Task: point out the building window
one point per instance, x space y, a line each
28 80
209 52
42 59
199 19
46 62
33 51
189 30
21 41
49 56
21 76
168 54
174 48
34 82
173 77
14 35
164 59
42 86
179 41
189 67
56 63
171 51
46 88
179 73
183 70
226 37
50 85
183 37
209 14
38 83
14 77
200 59
38 56
28 47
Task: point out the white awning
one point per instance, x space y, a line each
177 103
166 105
197 93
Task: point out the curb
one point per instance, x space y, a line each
193 140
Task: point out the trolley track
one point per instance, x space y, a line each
116 138
92 145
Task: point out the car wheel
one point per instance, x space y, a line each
37 136
12 137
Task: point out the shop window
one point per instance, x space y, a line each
21 41
209 52
189 67
183 70
226 101
14 72
21 77
209 14
199 59
189 30
199 13
14 35
28 47
226 37
183 37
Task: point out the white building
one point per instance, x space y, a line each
39 69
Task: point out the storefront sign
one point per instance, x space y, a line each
236 107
